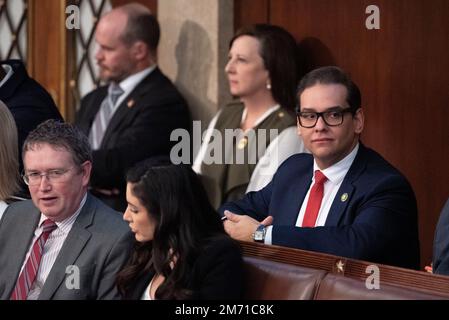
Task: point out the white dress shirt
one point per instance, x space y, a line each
3 206
51 249
335 175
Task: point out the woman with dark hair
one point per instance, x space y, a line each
182 250
263 73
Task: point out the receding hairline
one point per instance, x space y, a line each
130 10
133 8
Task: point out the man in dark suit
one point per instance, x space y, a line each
29 103
441 243
148 107
64 243
344 199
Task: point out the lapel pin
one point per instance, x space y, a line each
242 143
130 103
281 114
344 197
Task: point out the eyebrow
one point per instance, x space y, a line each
335 108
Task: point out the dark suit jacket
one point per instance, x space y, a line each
217 273
98 244
140 128
377 222
441 243
28 101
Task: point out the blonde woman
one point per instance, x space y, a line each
9 158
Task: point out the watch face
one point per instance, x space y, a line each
259 235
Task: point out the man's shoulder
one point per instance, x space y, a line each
297 161
25 91
376 170
22 207
105 218
376 163
158 82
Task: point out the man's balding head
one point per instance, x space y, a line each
139 24
128 37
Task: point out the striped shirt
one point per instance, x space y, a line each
51 249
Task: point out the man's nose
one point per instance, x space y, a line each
44 183
320 124
99 54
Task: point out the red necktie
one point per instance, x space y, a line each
29 272
315 198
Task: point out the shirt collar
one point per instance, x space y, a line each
337 172
66 224
132 81
263 116
9 71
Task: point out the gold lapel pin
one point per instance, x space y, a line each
344 197
130 103
242 143
281 114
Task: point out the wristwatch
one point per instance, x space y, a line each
259 234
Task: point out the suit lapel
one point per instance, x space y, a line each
298 194
22 245
346 190
71 249
92 110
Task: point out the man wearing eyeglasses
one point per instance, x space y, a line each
344 198
64 243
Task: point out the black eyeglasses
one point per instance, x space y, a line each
332 118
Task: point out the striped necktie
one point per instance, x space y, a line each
104 115
29 271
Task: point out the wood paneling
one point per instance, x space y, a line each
46 47
250 11
403 73
356 269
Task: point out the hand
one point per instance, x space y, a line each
242 227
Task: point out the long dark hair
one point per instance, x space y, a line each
279 52
175 198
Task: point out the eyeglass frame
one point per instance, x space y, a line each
321 114
46 174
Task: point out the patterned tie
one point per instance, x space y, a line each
315 198
103 116
29 272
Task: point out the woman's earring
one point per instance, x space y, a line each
268 85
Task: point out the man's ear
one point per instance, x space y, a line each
86 171
359 121
140 50
298 127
